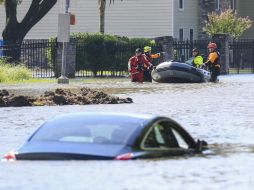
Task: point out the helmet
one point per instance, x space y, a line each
147 49
212 45
138 50
195 50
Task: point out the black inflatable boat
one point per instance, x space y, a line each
176 72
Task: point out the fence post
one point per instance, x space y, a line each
166 42
252 57
70 60
1 48
222 41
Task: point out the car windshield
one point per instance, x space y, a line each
87 131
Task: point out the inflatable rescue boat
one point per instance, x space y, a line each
176 72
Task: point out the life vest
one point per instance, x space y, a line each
150 57
214 59
198 61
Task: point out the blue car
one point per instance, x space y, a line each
107 136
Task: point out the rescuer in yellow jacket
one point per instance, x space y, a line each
149 56
198 59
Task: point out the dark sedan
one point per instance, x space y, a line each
107 136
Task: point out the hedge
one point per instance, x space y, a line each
98 52
103 52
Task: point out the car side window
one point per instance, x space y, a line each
164 134
150 141
181 142
160 136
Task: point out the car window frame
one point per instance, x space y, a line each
173 125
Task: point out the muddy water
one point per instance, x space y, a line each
222 114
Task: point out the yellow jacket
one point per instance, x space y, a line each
198 61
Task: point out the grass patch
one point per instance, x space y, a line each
13 73
240 71
81 73
33 80
99 79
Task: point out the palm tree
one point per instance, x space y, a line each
102 8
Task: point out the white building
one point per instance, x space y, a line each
132 18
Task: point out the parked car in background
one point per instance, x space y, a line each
107 136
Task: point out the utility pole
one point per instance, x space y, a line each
67 6
63 36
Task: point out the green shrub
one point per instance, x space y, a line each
227 22
11 73
52 52
104 52
98 52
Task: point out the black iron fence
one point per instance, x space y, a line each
241 55
104 60
111 61
36 55
182 50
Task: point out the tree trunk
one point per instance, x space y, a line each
11 33
102 7
12 40
15 32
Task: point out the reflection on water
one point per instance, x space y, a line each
222 114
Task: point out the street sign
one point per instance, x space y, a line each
63 34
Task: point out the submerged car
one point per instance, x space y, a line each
107 136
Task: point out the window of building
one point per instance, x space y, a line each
233 4
181 4
180 34
191 34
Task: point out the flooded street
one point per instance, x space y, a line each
221 114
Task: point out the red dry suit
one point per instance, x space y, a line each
136 67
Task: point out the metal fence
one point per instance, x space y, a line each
37 55
1 48
182 50
101 60
106 60
242 55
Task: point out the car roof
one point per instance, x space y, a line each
120 116
133 116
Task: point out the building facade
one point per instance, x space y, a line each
132 18
182 19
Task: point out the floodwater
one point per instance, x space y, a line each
221 113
